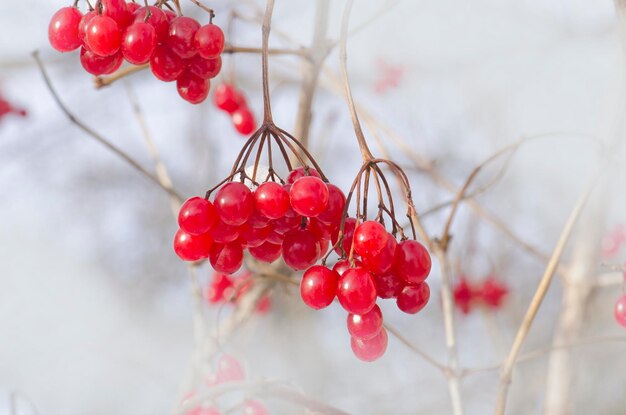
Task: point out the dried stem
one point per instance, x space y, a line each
267 23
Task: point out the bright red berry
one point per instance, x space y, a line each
104 36
464 295
166 65
100 65
63 30
365 326
336 204
371 349
493 292
197 216
209 41
266 252
132 7
227 98
235 203
220 289
251 237
192 88
226 258
299 172
342 266
319 286
223 233
275 238
139 42
243 120
257 220
300 249
412 262
116 10
620 310
413 298
180 38
388 284
381 262
286 224
356 291
204 68
82 26
309 196
271 200
192 247
157 19
370 237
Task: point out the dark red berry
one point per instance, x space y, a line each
192 247
226 258
412 262
357 292
63 31
413 298
299 172
464 295
235 203
192 88
100 65
266 252
223 233
343 265
300 249
252 237
372 349
493 292
388 285
197 216
166 65
139 43
336 204
180 38
271 200
318 286
209 41
116 10
257 220
365 326
204 68
82 27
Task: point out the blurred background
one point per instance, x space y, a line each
96 309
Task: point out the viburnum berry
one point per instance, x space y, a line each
365 326
381 262
266 252
82 26
370 237
309 196
229 369
335 206
226 258
299 172
318 287
63 31
116 10
157 19
343 265
197 216
620 310
132 7
139 42
371 349
104 36
192 88
493 292
227 98
243 120
300 249
348 234
388 284
234 203
251 237
192 247
180 38
464 295
204 68
275 237
271 200
220 289
413 298
223 233
166 65
252 407
286 224
209 41
412 262
100 65
356 291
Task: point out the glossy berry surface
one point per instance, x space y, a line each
197 216
192 88
381 262
266 252
343 265
309 196
192 247
365 326
299 172
300 249
157 19
412 262
318 287
620 311
116 10
209 41
388 284
139 42
100 65
243 120
166 65
180 38
271 200
226 258
223 233
104 37
252 237
356 291
82 27
227 98
334 208
370 237
63 30
234 203
371 349
204 68
413 298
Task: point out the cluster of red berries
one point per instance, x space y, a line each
223 288
233 101
490 293
178 48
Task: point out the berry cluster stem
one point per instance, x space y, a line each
267 24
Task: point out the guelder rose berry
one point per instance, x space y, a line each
371 349
365 326
192 88
412 262
227 98
166 65
192 247
226 258
309 196
209 41
271 200
370 238
319 286
180 38
63 30
356 291
243 120
234 203
229 369
140 40
266 252
300 249
100 65
197 216
104 36
413 298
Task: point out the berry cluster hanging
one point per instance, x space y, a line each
177 47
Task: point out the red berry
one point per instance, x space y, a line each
336 204
464 295
357 292
192 88
209 41
319 287
254 408
413 298
348 234
223 233
388 285
157 19
266 252
82 26
365 326
204 68
324 245
258 220
370 349
275 238
104 36
252 237
343 265
382 262
320 230
271 200
299 172
235 203
370 237
227 98
220 289
170 15
493 293
166 65
192 247
229 369
309 196
63 30
226 258
412 262
116 10
197 215
180 36
100 65
620 310
139 43
243 120
286 224
132 7
300 249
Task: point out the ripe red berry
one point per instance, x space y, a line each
226 258
464 295
63 30
275 238
209 41
271 200
82 26
227 98
370 237
309 196
116 10
192 247
365 326
412 262
299 172
235 203
300 249
336 204
132 7
266 252
286 224
413 298
204 68
223 233
166 65
139 43
100 65
381 262
254 408
104 36
257 220
493 293
243 120
197 216
157 19
252 237
372 349
342 266
180 38
388 285
220 289
356 291
348 234
318 286
192 88
620 310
